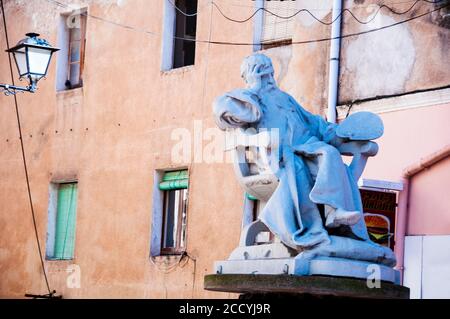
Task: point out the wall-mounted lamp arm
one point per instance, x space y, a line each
13 89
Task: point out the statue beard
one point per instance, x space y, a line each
264 83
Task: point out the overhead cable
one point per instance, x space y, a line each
294 42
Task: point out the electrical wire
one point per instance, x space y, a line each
354 6
322 21
380 7
188 14
251 44
50 293
323 39
66 6
281 17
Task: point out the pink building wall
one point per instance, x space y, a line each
410 135
430 201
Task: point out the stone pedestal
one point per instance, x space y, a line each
319 266
302 287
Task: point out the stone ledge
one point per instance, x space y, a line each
317 286
318 266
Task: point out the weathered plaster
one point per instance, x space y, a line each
381 63
320 9
404 58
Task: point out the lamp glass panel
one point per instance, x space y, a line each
38 60
21 60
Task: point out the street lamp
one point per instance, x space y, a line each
32 56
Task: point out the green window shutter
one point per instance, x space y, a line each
175 180
65 221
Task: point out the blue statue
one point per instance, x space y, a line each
314 206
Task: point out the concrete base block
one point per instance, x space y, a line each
325 266
272 287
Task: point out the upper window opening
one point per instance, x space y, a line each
185 33
72 41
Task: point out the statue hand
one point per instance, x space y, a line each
254 81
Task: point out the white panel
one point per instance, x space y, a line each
379 184
436 267
63 55
276 28
412 276
51 221
168 36
157 215
258 24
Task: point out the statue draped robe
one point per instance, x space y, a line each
311 168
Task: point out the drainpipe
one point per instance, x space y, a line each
400 229
403 201
258 25
335 49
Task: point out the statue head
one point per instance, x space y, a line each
257 70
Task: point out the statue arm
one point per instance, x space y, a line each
236 109
320 128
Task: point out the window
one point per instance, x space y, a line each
185 27
276 31
61 222
76 52
175 187
180 29
72 41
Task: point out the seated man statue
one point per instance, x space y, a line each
317 193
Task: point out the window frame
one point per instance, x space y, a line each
170 44
180 31
157 218
83 26
178 249
53 212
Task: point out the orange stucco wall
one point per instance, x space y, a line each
113 134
